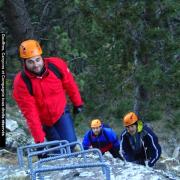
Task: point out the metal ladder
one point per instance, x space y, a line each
63 150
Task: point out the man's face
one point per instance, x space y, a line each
34 64
96 130
132 129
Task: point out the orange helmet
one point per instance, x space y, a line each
130 118
29 49
95 123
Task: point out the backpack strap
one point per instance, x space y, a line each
55 70
28 82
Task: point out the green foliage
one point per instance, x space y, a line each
1 3
113 46
9 99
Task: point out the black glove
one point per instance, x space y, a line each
77 109
116 154
42 155
119 155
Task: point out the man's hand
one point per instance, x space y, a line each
42 155
77 109
149 164
115 152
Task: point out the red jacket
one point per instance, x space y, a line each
47 104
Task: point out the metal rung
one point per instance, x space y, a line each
32 147
74 155
65 167
64 152
35 153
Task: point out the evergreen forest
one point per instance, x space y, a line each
124 55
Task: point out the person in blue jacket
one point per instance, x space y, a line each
103 138
138 142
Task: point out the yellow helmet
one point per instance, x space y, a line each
95 123
29 49
130 118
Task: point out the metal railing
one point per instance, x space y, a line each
65 167
57 150
33 148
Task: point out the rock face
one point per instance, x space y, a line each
11 125
168 167
119 170
17 138
15 133
176 152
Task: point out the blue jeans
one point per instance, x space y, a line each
63 129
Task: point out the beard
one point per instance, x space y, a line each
40 73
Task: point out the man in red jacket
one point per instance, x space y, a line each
40 92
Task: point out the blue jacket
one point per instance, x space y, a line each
106 140
140 147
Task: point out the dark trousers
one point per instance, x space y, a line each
63 129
